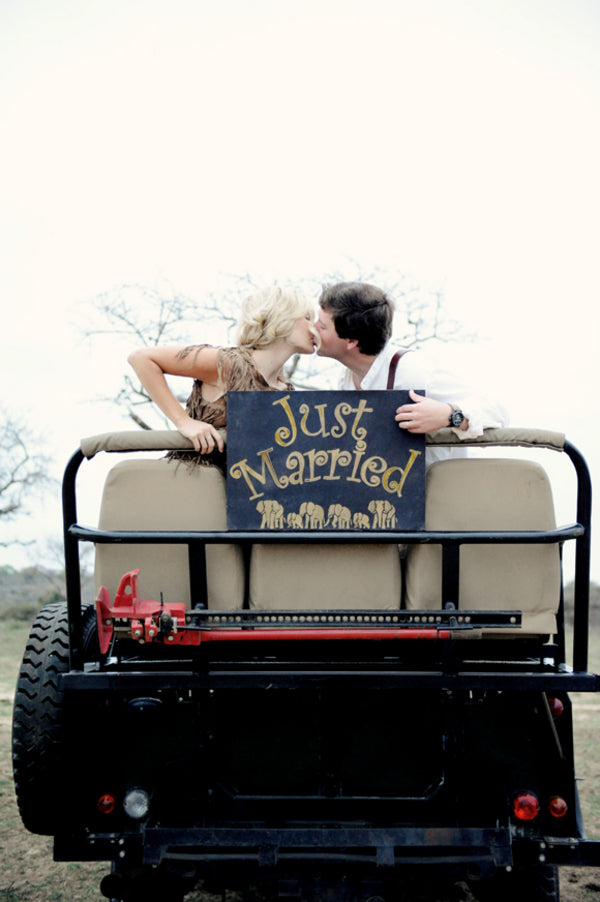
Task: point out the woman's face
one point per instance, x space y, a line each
304 338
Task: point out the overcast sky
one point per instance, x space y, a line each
150 142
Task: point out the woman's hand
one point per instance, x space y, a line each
151 365
425 415
203 436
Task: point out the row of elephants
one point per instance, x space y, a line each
382 515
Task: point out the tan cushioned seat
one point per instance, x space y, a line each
325 576
482 494
157 494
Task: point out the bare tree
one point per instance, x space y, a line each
148 317
21 471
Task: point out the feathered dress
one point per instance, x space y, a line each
237 372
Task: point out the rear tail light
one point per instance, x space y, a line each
557 806
106 803
525 806
556 706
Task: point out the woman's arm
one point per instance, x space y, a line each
153 364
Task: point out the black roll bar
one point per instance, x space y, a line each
450 541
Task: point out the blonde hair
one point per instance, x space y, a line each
269 315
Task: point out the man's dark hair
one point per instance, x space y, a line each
360 311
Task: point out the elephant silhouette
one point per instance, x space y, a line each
294 520
272 514
384 513
338 517
313 515
360 520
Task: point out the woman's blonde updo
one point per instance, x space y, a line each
269 315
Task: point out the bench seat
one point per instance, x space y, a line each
490 494
162 494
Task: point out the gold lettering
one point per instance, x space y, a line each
285 436
315 459
374 466
360 434
242 469
338 456
358 455
305 410
396 487
295 459
339 412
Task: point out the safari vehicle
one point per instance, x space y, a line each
304 714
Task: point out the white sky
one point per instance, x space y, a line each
457 141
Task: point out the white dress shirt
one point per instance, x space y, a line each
424 372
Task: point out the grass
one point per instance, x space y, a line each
14 637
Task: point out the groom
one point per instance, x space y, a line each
354 323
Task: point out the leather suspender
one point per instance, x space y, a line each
392 369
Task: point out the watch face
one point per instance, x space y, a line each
457 418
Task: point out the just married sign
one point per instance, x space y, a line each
322 460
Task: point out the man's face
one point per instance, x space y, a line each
331 344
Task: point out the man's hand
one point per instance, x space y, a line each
425 415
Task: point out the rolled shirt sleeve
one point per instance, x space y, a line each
427 371
424 370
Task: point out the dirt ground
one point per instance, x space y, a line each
28 873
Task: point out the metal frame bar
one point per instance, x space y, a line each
320 678
381 848
450 541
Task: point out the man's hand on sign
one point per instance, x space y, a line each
425 415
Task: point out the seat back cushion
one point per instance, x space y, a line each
481 494
158 494
325 576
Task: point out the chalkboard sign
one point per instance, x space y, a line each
322 460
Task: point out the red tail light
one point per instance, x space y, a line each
106 803
557 806
525 806
556 706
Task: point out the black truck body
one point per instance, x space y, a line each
308 752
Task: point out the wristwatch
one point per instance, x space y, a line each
456 418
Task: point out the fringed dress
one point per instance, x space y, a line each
237 372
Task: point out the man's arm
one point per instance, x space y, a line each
445 390
426 414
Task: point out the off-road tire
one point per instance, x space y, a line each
533 884
38 736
